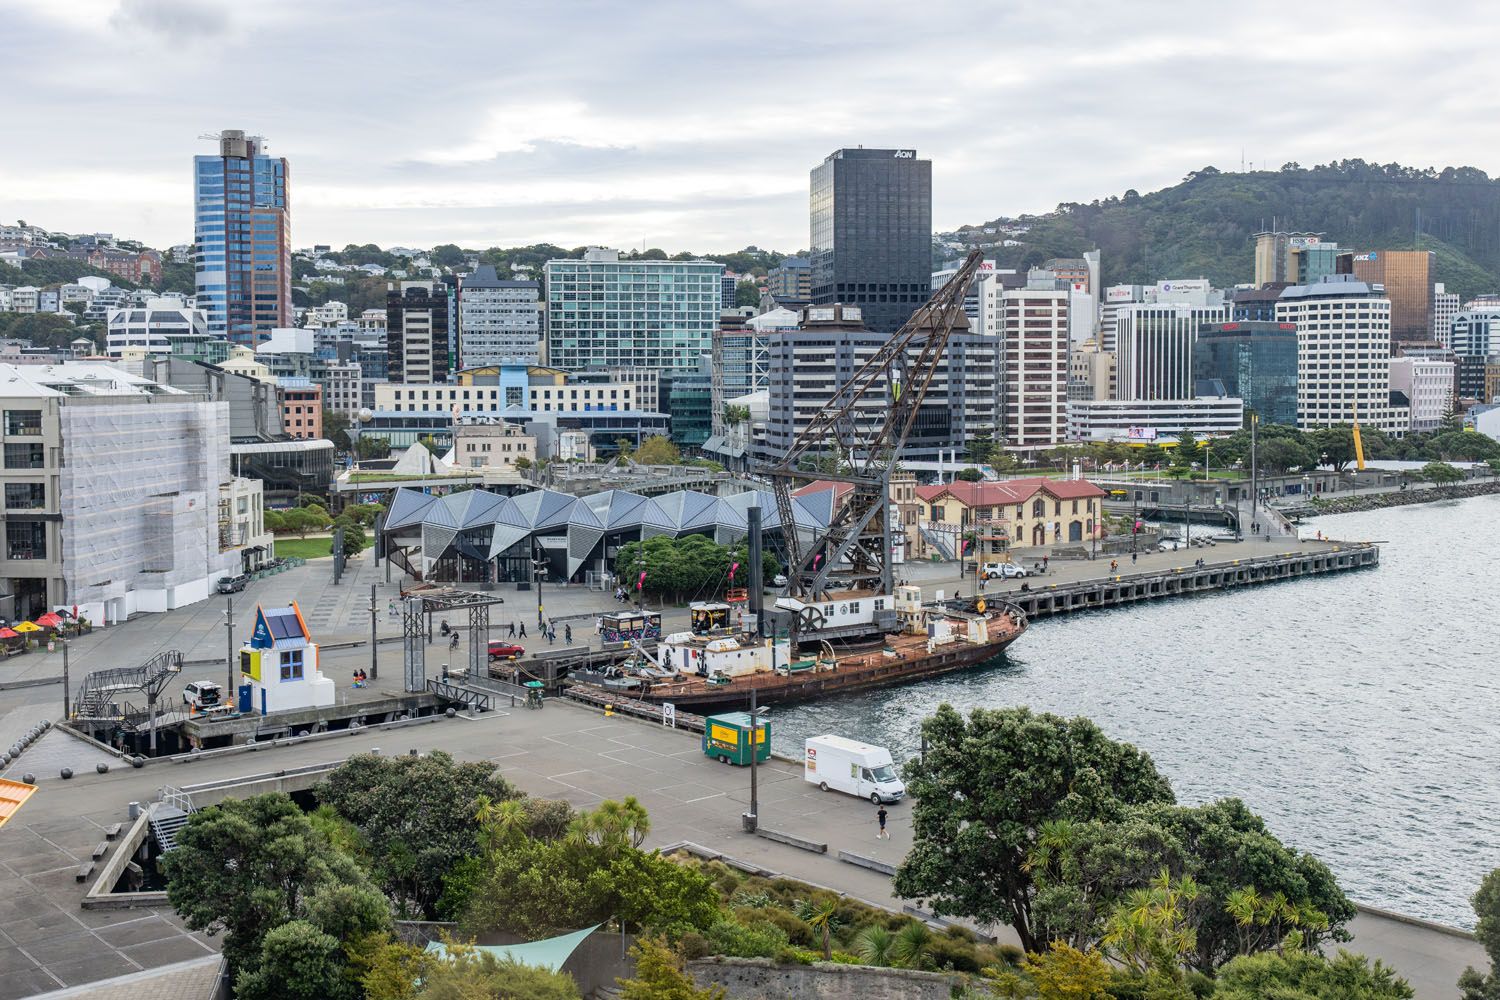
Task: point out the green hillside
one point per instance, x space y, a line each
1202 227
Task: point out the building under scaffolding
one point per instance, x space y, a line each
112 490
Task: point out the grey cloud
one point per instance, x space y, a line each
174 20
689 117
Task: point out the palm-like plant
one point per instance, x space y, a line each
873 945
1150 927
910 944
821 919
1054 839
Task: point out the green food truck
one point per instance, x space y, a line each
727 737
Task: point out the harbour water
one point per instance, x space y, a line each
1359 714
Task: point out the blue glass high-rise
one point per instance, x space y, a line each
242 239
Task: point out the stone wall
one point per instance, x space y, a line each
760 979
1400 498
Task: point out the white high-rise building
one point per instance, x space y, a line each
1343 353
1034 361
1444 308
161 326
1154 348
498 321
1428 387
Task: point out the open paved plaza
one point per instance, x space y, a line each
564 751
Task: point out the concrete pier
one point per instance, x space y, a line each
1040 599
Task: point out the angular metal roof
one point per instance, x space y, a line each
586 521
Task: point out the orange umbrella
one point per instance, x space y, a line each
9 633
50 619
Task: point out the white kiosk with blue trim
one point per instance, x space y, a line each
280 663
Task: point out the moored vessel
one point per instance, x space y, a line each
719 668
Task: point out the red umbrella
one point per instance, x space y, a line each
9 633
50 619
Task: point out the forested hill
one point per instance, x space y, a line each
1202 227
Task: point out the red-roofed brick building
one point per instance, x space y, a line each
1013 513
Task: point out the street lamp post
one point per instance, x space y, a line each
231 691
537 562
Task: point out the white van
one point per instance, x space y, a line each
851 766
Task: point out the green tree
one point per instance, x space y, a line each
657 450
336 428
1333 446
1473 984
735 415
594 872
1284 454
1441 473
1187 453
969 475
979 449
523 464
982 792
388 969
746 293
1300 975
297 962
246 866
371 447
1065 973
355 540
447 255
419 816
659 975
1228 849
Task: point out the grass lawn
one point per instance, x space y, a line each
304 548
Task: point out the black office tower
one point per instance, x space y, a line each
871 233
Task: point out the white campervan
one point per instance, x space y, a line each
854 767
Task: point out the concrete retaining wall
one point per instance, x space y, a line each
760 979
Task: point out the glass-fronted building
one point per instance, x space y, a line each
871 231
603 312
1253 360
242 240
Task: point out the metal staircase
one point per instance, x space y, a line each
937 541
169 816
101 697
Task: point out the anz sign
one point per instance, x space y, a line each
905 154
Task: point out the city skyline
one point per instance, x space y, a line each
644 133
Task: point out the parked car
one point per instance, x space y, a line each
232 584
780 580
202 694
501 650
1003 571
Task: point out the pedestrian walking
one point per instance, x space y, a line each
883 833
512 630
568 634
1134 556
523 630
1044 564
548 634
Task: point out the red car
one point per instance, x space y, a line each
500 650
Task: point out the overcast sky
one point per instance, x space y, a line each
693 125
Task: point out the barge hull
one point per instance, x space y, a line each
783 690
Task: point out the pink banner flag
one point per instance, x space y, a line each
641 583
732 568
817 559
